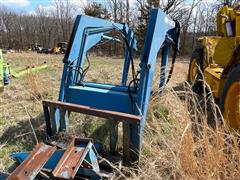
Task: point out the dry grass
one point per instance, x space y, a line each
36 87
184 140
184 137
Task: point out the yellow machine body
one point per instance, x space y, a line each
219 59
228 14
218 50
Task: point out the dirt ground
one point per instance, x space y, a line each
20 104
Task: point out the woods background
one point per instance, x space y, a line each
48 26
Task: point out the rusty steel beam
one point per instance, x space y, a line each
72 159
30 168
113 115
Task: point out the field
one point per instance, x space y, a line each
184 137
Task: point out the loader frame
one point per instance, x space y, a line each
125 103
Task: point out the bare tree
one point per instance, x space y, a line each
7 17
127 20
64 14
186 24
49 26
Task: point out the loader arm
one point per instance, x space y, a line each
87 32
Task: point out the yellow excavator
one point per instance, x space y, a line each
217 61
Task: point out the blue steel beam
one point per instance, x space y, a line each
159 27
84 28
133 45
163 70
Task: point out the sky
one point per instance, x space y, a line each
25 5
29 6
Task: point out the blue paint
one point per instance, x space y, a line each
3 176
87 32
164 66
99 98
133 45
107 86
5 78
49 166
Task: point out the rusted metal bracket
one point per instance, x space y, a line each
79 159
113 115
30 168
80 153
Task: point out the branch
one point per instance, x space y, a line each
169 5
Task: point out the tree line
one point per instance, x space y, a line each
48 26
